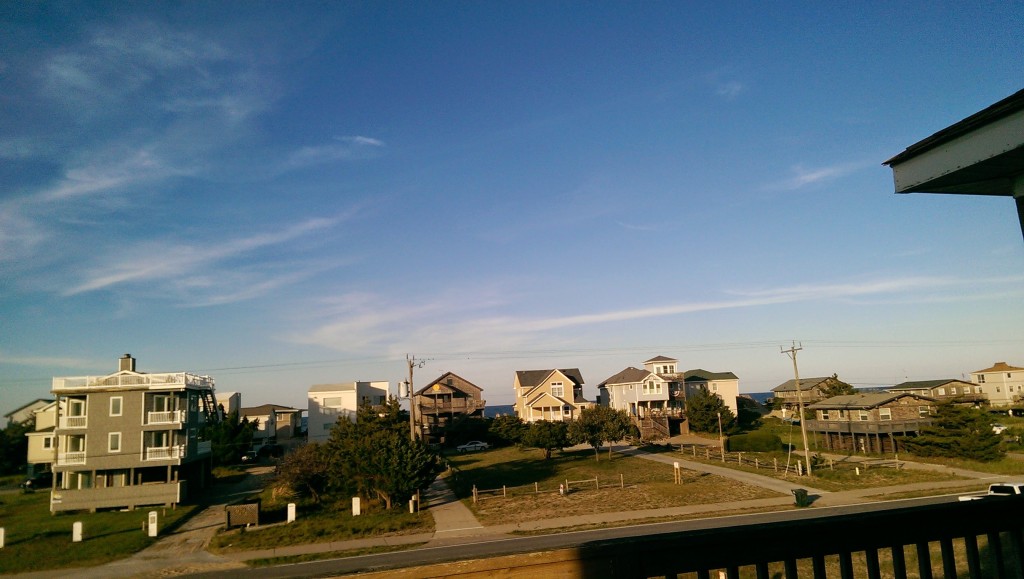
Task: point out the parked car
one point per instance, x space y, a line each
472 445
42 480
1006 489
250 456
998 428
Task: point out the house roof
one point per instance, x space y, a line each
458 383
699 374
531 378
266 409
630 375
926 384
864 401
660 359
999 367
805 384
536 398
38 402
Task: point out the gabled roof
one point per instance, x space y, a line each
699 374
630 375
38 403
926 384
266 409
999 367
536 398
533 378
864 401
457 383
660 359
805 384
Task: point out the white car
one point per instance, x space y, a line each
472 445
998 428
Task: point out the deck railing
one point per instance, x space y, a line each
165 417
70 458
164 452
74 421
163 380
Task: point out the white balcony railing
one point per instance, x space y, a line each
153 381
69 458
164 452
74 421
167 417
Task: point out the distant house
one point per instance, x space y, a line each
639 392
811 390
230 401
42 451
944 389
444 399
131 438
549 394
329 402
1001 383
870 422
275 422
24 413
725 385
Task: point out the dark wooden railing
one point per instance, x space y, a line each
878 540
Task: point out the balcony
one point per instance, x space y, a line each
74 421
428 405
164 452
70 458
847 426
165 417
164 381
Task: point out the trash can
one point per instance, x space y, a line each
800 496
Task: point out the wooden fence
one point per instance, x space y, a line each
796 466
565 487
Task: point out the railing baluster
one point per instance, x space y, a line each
791 569
733 572
973 558
948 557
762 570
924 561
996 548
1017 544
845 565
899 562
874 569
818 561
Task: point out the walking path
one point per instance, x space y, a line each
183 551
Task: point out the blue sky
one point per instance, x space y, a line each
285 194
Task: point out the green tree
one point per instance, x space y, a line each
374 456
599 424
304 470
14 447
506 429
703 409
957 431
229 438
465 428
547 436
836 387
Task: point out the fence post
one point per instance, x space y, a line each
474 494
597 483
776 461
503 495
707 453
622 485
536 488
757 464
694 447
739 458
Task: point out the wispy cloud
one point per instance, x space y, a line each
45 361
370 322
730 90
343 149
156 262
803 176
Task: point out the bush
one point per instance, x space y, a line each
754 442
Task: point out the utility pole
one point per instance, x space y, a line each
791 352
413 363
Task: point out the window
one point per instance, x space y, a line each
824 414
885 413
952 390
981 378
115 406
47 442
922 411
557 389
863 415
114 442
842 414
714 387
977 389
76 407
941 391
332 402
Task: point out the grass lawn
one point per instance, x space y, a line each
320 524
37 540
647 485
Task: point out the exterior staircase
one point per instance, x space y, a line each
653 427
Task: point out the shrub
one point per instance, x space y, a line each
754 442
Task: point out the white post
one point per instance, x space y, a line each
1 537
355 506
412 505
76 532
291 512
152 524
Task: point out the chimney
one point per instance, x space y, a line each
126 363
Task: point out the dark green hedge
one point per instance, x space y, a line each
754 442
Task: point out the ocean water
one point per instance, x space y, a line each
493 411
